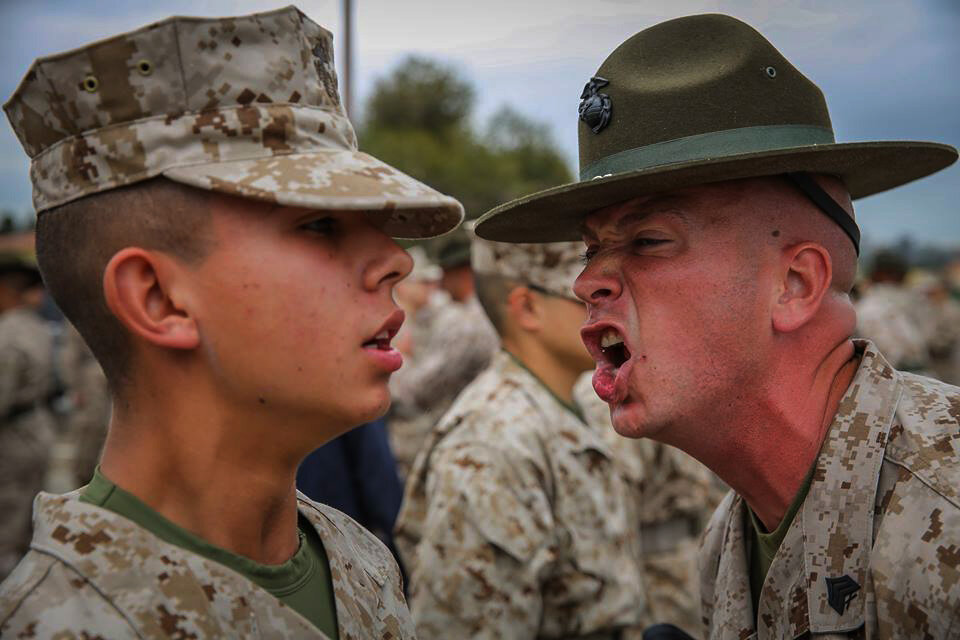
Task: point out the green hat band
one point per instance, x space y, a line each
715 144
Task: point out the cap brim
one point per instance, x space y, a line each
332 179
866 168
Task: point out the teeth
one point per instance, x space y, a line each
610 338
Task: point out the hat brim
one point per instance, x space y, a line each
556 214
332 179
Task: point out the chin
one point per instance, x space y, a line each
631 421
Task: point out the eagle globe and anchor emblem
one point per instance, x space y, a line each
595 107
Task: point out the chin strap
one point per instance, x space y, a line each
828 205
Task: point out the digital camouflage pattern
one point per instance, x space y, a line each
453 342
517 523
94 574
246 106
552 266
26 425
674 496
883 509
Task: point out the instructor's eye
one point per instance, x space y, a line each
588 255
325 226
647 243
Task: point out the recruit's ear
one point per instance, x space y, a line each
804 278
136 287
524 308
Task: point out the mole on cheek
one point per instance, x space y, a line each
776 233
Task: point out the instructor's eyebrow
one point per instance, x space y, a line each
662 204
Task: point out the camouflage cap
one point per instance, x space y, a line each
552 267
246 106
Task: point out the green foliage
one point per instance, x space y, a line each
420 94
419 120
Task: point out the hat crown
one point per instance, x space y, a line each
176 66
693 76
554 266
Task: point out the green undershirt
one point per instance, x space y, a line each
303 582
566 405
764 546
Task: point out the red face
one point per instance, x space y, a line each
295 311
675 315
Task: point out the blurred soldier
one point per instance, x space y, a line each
721 247
517 522
889 314
453 341
208 224
89 403
941 313
26 422
675 496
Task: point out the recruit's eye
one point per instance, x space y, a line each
325 226
588 255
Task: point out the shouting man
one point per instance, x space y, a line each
721 247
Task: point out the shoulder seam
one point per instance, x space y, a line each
93 586
26 595
922 480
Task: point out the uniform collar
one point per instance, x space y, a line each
150 581
826 553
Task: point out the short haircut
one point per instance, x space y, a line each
75 241
492 291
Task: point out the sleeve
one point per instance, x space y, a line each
486 550
63 605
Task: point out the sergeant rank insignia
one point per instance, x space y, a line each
840 591
595 107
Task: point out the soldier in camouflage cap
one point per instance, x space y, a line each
517 522
721 242
207 223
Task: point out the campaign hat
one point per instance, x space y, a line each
697 100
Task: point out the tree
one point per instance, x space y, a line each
419 120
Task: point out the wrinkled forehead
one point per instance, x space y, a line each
618 217
699 205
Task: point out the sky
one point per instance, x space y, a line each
889 68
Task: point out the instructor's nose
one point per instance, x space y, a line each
599 282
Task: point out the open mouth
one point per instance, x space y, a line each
380 341
613 348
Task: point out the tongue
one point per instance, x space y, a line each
604 378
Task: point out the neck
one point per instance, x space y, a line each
764 449
220 473
554 374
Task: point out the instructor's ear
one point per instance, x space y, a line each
805 275
136 285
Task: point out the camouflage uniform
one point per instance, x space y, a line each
26 425
452 344
92 573
883 510
674 496
516 522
